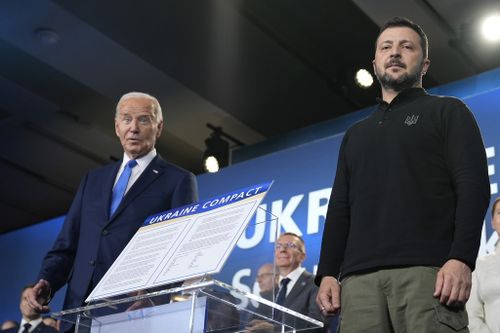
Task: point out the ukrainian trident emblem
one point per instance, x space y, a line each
411 120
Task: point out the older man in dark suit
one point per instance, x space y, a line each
111 204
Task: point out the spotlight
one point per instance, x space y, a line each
490 28
211 164
363 78
216 155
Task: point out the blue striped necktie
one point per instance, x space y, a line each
121 186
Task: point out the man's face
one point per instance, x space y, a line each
495 221
137 127
288 252
265 278
399 61
26 310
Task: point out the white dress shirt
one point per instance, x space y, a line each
34 323
293 276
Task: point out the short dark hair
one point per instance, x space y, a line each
404 22
497 200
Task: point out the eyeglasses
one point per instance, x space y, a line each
285 246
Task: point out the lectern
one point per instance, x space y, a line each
207 306
183 244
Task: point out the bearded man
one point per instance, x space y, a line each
411 190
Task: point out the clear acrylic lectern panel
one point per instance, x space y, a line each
209 306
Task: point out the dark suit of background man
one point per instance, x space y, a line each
31 321
411 190
296 290
92 237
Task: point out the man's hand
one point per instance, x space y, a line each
38 296
453 283
328 298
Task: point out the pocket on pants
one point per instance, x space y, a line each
452 317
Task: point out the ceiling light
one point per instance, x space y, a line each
211 164
490 28
363 78
217 153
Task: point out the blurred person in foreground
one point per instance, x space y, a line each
8 324
31 321
483 306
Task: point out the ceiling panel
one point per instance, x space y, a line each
257 68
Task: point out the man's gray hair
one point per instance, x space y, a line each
135 94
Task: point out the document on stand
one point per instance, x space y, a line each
182 243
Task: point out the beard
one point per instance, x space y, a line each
408 80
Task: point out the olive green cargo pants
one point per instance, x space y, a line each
397 300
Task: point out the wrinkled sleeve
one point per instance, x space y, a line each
58 263
337 221
466 160
475 309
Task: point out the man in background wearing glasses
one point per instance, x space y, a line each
297 290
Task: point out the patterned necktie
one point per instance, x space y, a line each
27 327
121 186
282 292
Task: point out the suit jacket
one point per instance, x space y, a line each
302 297
91 240
40 328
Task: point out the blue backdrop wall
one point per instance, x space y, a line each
302 166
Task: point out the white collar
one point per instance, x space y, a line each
294 275
34 323
142 162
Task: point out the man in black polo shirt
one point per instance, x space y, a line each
411 190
